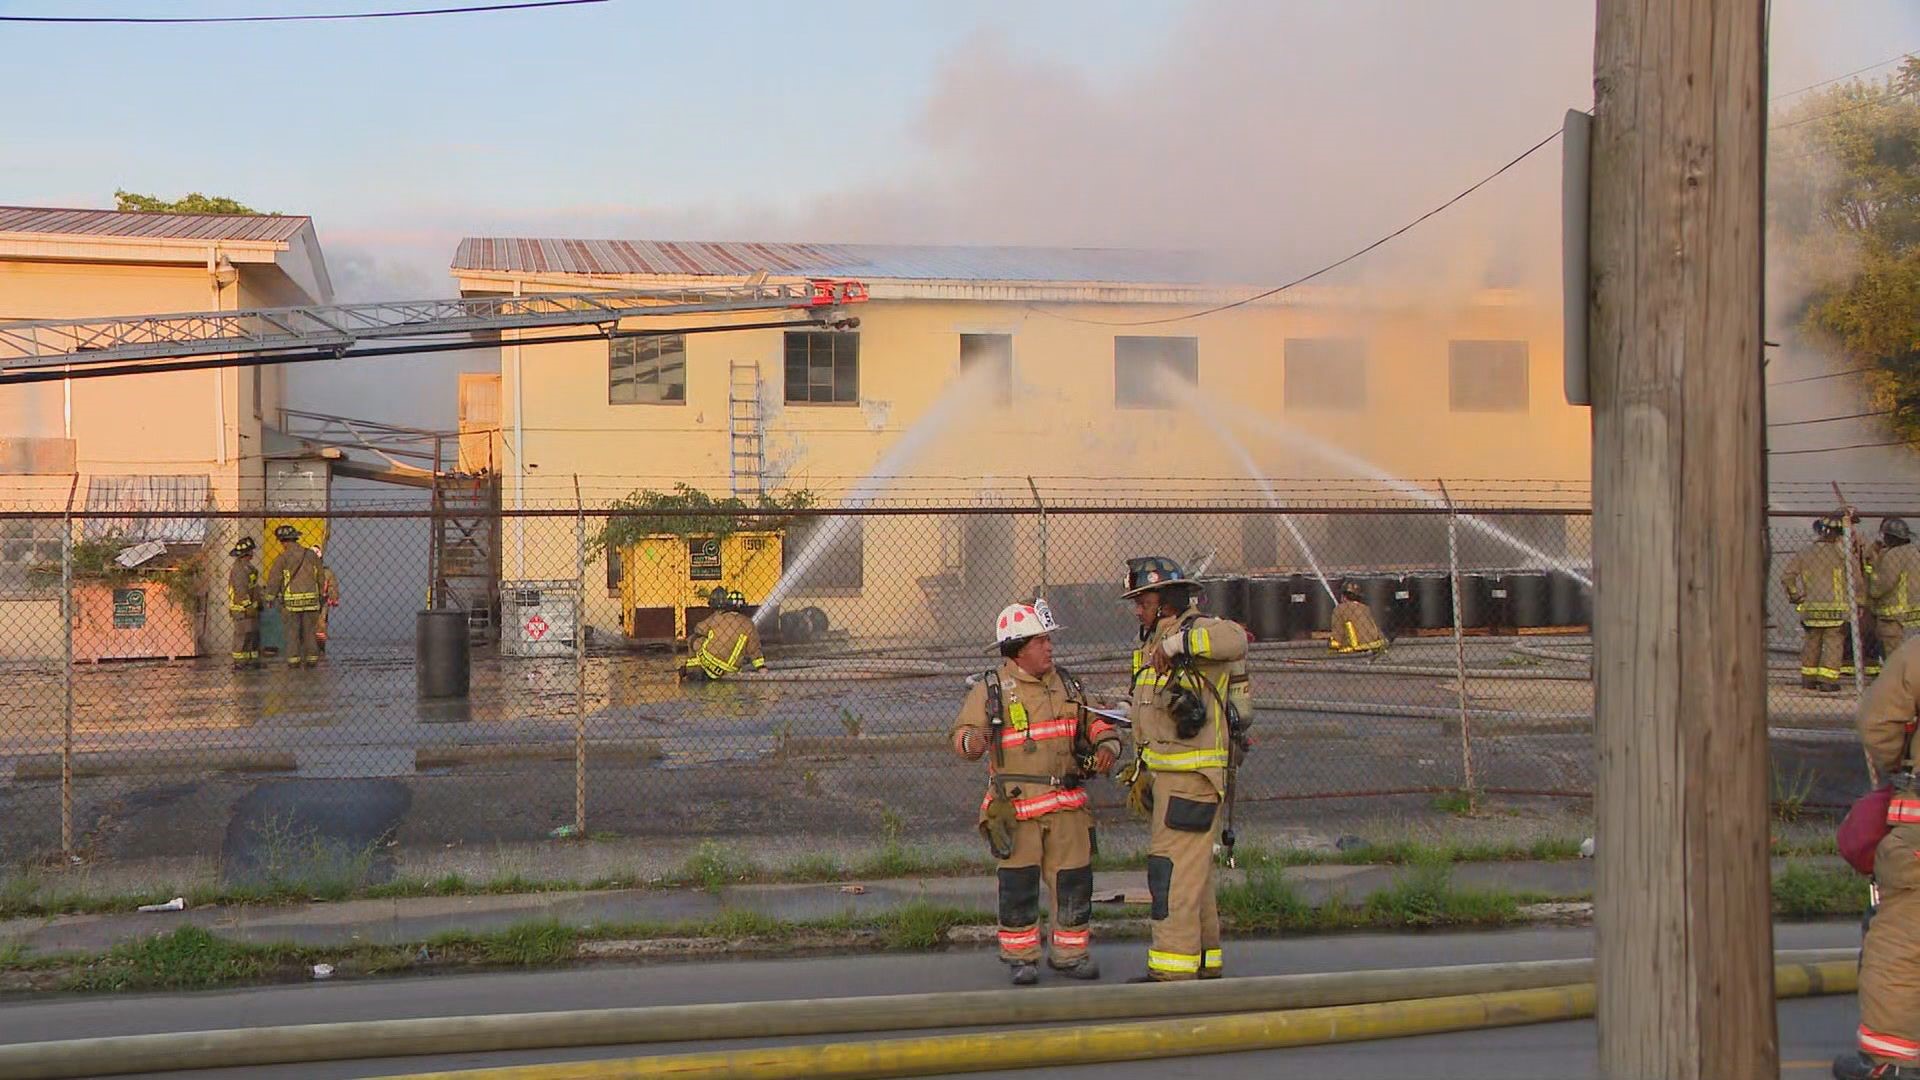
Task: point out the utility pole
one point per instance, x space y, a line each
1683 916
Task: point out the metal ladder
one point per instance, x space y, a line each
747 464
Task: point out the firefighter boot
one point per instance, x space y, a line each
1856 1066
1082 967
1025 973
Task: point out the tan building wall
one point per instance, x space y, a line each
1063 422
193 423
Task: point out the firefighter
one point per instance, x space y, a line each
1045 745
329 596
1185 734
1353 627
294 583
1893 585
243 604
727 640
1816 581
1889 1033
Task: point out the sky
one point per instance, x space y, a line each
1287 131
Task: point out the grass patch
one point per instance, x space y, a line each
712 867
1790 793
189 958
1422 897
1816 892
921 926
1461 802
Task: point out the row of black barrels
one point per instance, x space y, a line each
1293 606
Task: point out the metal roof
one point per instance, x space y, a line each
865 262
144 493
53 221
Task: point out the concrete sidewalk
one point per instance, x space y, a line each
417 919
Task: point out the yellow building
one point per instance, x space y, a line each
180 440
988 363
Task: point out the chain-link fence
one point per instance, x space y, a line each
156 740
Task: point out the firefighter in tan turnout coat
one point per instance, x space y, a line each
1815 579
1186 671
296 582
1893 585
1028 717
1889 1034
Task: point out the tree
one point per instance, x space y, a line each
192 203
1844 207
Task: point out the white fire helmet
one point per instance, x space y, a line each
1018 622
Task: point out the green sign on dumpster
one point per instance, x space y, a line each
129 609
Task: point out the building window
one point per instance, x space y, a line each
823 368
840 561
1140 363
30 557
1487 376
647 370
1327 374
995 353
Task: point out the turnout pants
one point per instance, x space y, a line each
1820 653
1186 921
302 644
1890 979
1055 848
246 638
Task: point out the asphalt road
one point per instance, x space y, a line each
1811 1031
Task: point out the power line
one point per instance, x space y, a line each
1856 107
1817 378
1849 446
1832 419
1276 290
1848 75
329 17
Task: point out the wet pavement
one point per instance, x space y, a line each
342 766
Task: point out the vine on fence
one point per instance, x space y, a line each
688 511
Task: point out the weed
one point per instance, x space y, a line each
1461 802
816 866
528 944
850 722
1264 902
1790 793
738 923
891 826
12 954
186 959
1813 892
920 925
810 782
713 867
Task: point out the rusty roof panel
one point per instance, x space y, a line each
55 221
904 262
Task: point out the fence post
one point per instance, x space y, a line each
579 663
1853 597
1042 504
66 673
1459 643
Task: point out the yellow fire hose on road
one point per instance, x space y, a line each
1806 971
1093 1043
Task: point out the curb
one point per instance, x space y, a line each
771 1019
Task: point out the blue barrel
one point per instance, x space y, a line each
1302 596
1226 597
1432 600
1477 602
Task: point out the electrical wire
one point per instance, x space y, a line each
1848 75
1303 279
1831 449
1817 378
177 20
1832 419
1856 107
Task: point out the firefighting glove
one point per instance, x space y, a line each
998 826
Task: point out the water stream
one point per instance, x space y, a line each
968 391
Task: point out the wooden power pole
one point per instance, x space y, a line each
1684 927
